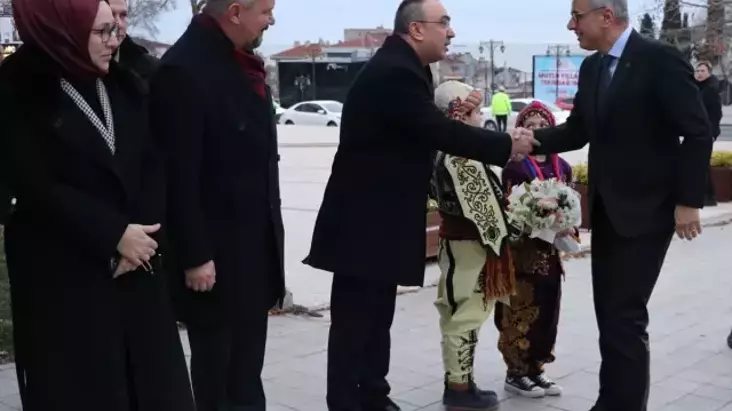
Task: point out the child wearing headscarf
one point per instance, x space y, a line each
528 324
473 257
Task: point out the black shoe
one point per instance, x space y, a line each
729 340
384 405
482 393
472 386
550 387
710 202
524 387
471 399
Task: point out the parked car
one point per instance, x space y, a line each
313 113
518 104
565 103
488 120
278 110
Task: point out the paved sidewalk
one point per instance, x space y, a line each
307 154
726 115
691 315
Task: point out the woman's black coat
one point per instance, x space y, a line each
84 341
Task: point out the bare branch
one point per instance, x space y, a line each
197 6
143 14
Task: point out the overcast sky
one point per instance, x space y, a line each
513 21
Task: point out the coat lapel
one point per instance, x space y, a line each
131 138
72 125
78 130
246 103
590 90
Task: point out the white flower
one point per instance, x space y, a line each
544 205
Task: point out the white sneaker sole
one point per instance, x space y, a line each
554 391
537 393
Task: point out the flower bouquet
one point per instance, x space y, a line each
545 208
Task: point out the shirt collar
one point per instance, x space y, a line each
617 49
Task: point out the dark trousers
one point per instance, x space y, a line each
502 123
533 316
359 345
624 273
711 196
226 364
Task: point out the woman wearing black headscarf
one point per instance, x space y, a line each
93 330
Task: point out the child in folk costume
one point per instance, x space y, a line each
473 255
528 324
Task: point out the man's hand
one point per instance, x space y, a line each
688 225
523 143
125 266
201 278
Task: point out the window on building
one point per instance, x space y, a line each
339 55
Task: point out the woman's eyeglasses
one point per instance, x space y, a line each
107 32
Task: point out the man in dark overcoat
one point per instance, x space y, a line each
131 55
212 108
709 86
370 231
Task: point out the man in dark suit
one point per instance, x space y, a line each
214 111
636 97
370 231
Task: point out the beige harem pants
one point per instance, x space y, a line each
461 305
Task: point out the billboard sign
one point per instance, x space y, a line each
556 79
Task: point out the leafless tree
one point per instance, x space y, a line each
143 14
712 32
711 23
197 6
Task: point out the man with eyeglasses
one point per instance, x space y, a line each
212 108
130 54
370 231
636 96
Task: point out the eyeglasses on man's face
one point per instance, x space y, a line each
578 15
444 22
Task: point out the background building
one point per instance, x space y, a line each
324 71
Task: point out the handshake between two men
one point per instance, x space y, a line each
523 143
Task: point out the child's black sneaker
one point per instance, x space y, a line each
549 386
524 386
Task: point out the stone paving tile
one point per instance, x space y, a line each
304 171
691 315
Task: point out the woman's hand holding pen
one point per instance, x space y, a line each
124 267
136 246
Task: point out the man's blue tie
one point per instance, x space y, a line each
605 76
603 82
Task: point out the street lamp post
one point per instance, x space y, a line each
314 52
492 45
556 51
302 82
